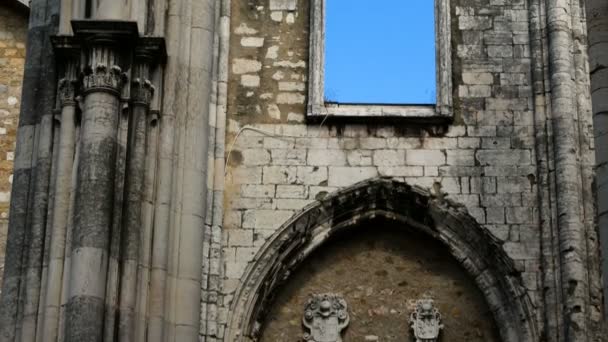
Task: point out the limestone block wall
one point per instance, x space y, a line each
13 32
486 159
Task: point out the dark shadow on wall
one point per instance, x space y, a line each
380 269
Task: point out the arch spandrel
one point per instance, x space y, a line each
473 246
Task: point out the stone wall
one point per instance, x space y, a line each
484 160
13 32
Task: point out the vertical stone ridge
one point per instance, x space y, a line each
551 320
572 232
142 91
67 92
597 25
193 40
24 254
212 270
587 163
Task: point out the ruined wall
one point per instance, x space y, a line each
485 160
13 32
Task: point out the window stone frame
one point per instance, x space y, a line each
318 109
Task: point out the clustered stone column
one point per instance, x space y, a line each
141 96
114 59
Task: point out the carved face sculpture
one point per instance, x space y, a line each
425 321
325 316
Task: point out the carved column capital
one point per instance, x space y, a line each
107 48
149 52
103 78
142 91
67 91
68 52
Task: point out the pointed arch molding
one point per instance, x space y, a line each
474 247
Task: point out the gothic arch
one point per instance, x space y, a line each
480 253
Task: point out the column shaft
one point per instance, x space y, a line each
572 250
61 207
141 93
93 212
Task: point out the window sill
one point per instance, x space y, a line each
422 113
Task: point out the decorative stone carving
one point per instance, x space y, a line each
102 78
142 91
425 321
67 92
325 316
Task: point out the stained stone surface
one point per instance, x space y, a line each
13 31
381 272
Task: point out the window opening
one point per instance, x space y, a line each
380 52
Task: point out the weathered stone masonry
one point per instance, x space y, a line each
13 33
497 158
170 197
597 19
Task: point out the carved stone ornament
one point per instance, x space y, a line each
67 92
142 91
425 321
325 316
102 78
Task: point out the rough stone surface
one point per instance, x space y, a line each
381 273
486 160
597 17
13 31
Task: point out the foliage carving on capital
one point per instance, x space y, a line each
67 91
425 321
142 91
325 317
104 78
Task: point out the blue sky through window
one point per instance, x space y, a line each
380 51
